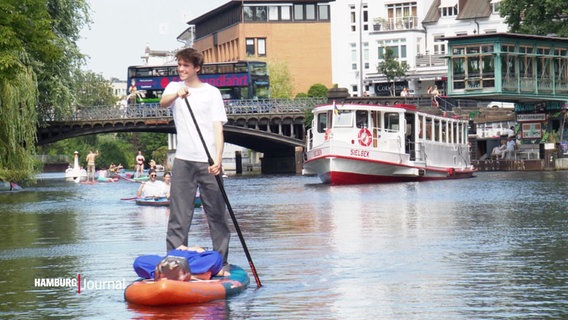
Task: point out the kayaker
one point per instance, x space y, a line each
167 183
153 188
201 264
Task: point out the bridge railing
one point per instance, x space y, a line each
153 110
298 105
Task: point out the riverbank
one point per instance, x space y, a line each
521 165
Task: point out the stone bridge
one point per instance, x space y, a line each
274 127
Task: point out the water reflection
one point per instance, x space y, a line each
490 247
215 310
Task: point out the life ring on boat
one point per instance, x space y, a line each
365 137
327 134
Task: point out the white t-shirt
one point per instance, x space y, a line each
207 105
511 145
154 189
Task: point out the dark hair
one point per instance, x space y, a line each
190 55
151 171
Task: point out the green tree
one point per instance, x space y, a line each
536 17
280 80
94 90
160 155
391 67
317 90
37 51
56 76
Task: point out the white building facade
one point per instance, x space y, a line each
414 30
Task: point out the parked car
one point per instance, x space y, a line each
500 104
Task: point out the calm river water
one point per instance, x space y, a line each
491 247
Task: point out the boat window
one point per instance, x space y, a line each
322 122
436 130
344 118
361 119
420 126
429 129
392 121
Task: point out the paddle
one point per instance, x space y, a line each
133 198
220 183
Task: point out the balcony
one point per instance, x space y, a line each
395 24
431 60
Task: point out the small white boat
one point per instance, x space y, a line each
352 144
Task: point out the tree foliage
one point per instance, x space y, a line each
93 90
113 148
538 17
391 67
38 51
280 80
317 90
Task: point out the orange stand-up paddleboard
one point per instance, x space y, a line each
172 292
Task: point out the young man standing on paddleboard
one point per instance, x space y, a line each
191 167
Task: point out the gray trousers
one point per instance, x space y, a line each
186 177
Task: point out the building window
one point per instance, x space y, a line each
439 44
353 18
402 16
279 13
473 67
310 12
286 13
255 13
365 18
366 55
261 47
448 8
495 4
323 12
250 47
273 13
354 56
298 12
398 47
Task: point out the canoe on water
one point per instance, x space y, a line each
173 292
153 202
162 202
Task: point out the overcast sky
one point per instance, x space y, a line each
121 29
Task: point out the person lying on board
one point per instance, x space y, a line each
201 264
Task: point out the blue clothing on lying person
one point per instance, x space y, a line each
199 262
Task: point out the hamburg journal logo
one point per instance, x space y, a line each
80 283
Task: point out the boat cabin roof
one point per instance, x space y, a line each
326 107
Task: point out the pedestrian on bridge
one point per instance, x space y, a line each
191 166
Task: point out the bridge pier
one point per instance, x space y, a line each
283 163
238 162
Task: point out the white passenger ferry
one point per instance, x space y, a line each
352 144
